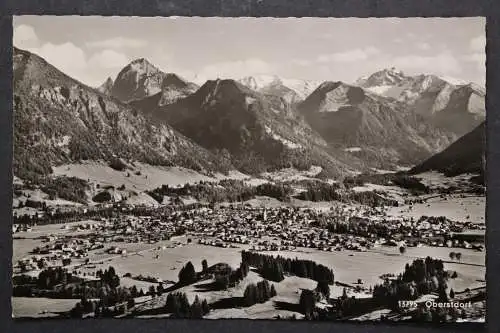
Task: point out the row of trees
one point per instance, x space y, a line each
59 283
399 179
319 191
112 299
58 217
51 277
223 274
419 278
109 277
258 293
228 190
99 309
67 188
178 305
273 268
229 278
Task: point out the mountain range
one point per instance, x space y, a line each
58 120
291 89
454 107
258 131
254 124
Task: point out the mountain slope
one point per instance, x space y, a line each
106 87
466 155
59 120
173 89
446 104
137 80
258 132
140 79
464 110
374 128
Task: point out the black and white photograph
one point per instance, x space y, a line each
318 169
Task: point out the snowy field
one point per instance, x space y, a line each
40 307
470 208
150 176
30 240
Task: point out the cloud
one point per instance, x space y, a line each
66 57
349 56
301 62
478 58
423 46
411 35
478 44
117 43
443 63
24 36
73 61
236 69
108 59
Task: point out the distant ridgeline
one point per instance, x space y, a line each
159 118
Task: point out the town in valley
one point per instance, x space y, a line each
222 196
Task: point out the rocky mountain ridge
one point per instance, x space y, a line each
59 120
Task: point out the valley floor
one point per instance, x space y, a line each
164 259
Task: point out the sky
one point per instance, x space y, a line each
93 48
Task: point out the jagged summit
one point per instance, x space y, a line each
172 80
221 88
292 90
83 124
259 82
331 96
140 79
137 80
140 60
106 87
143 62
384 77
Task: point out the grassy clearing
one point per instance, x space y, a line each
35 307
141 177
453 207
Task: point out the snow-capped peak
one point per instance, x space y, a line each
454 81
384 77
302 88
259 81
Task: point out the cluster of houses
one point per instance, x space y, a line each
274 229
262 229
21 228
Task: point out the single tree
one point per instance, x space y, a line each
205 307
273 291
344 293
323 288
196 309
